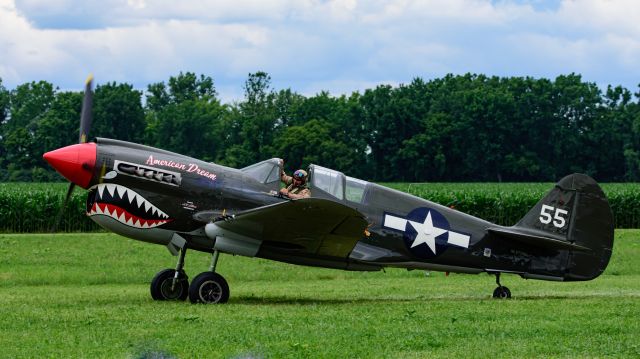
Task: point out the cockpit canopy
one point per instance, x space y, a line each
323 182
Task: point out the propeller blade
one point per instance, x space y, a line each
87 107
64 205
85 126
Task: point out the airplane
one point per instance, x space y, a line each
166 198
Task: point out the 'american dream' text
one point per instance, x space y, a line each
190 167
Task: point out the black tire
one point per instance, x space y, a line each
209 288
502 293
161 286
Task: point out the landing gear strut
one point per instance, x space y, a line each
209 287
171 284
501 292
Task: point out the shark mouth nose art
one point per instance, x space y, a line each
125 206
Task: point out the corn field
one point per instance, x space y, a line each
507 203
33 207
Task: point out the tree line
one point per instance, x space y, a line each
456 128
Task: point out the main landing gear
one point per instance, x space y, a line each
501 292
207 287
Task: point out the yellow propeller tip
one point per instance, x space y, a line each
89 79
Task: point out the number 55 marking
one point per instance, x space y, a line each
558 219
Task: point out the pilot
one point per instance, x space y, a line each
296 184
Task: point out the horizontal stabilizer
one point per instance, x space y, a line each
536 239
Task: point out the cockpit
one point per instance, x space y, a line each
323 182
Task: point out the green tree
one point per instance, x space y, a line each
254 124
615 129
58 127
384 132
529 129
118 113
286 104
460 127
340 115
185 116
577 105
426 152
4 112
28 104
349 130
4 103
312 142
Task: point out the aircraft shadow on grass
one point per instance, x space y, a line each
282 300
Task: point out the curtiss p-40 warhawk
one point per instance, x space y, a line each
162 197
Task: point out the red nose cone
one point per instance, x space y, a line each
75 162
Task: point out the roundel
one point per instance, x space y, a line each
426 233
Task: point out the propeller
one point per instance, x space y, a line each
87 114
85 126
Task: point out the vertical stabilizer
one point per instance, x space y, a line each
577 212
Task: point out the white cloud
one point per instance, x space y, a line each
603 16
148 52
339 87
309 44
136 4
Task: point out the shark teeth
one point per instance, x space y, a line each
122 215
110 188
130 195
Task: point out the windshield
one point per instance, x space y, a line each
264 172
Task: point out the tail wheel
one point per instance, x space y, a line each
162 287
209 288
502 293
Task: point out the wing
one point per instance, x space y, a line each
310 225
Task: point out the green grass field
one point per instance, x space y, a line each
87 295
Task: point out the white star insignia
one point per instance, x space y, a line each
427 233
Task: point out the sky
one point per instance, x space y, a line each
309 46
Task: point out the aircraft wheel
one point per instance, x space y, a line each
502 293
209 288
161 286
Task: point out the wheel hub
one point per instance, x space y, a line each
167 292
210 292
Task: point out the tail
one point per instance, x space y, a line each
574 217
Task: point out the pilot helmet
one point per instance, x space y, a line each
300 174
